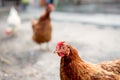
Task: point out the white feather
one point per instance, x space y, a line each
13 17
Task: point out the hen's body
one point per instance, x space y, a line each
111 66
42 28
72 67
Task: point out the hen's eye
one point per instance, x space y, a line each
63 47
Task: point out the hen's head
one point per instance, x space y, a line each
62 49
50 7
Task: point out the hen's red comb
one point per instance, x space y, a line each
60 43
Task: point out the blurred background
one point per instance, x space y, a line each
91 26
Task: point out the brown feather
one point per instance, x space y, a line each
42 28
111 66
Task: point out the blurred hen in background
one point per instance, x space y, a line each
42 28
13 21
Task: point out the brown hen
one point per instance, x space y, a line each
72 67
42 28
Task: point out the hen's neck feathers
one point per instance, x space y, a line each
45 15
73 54
74 65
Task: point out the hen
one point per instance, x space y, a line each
72 67
42 28
13 21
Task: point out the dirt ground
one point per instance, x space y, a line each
22 59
